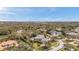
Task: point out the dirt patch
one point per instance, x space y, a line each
8 43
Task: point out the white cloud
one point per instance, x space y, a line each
7 12
43 20
4 20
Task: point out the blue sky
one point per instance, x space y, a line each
39 14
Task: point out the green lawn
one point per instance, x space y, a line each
72 46
3 36
55 44
39 48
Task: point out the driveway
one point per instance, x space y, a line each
58 47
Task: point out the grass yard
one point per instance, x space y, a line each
55 44
3 36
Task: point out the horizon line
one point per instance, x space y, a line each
39 21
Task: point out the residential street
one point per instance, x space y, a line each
58 47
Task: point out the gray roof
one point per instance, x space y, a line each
55 32
40 37
71 33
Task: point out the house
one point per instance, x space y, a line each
77 29
59 28
19 31
42 38
24 33
71 33
55 33
43 30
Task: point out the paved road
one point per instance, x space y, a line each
58 47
